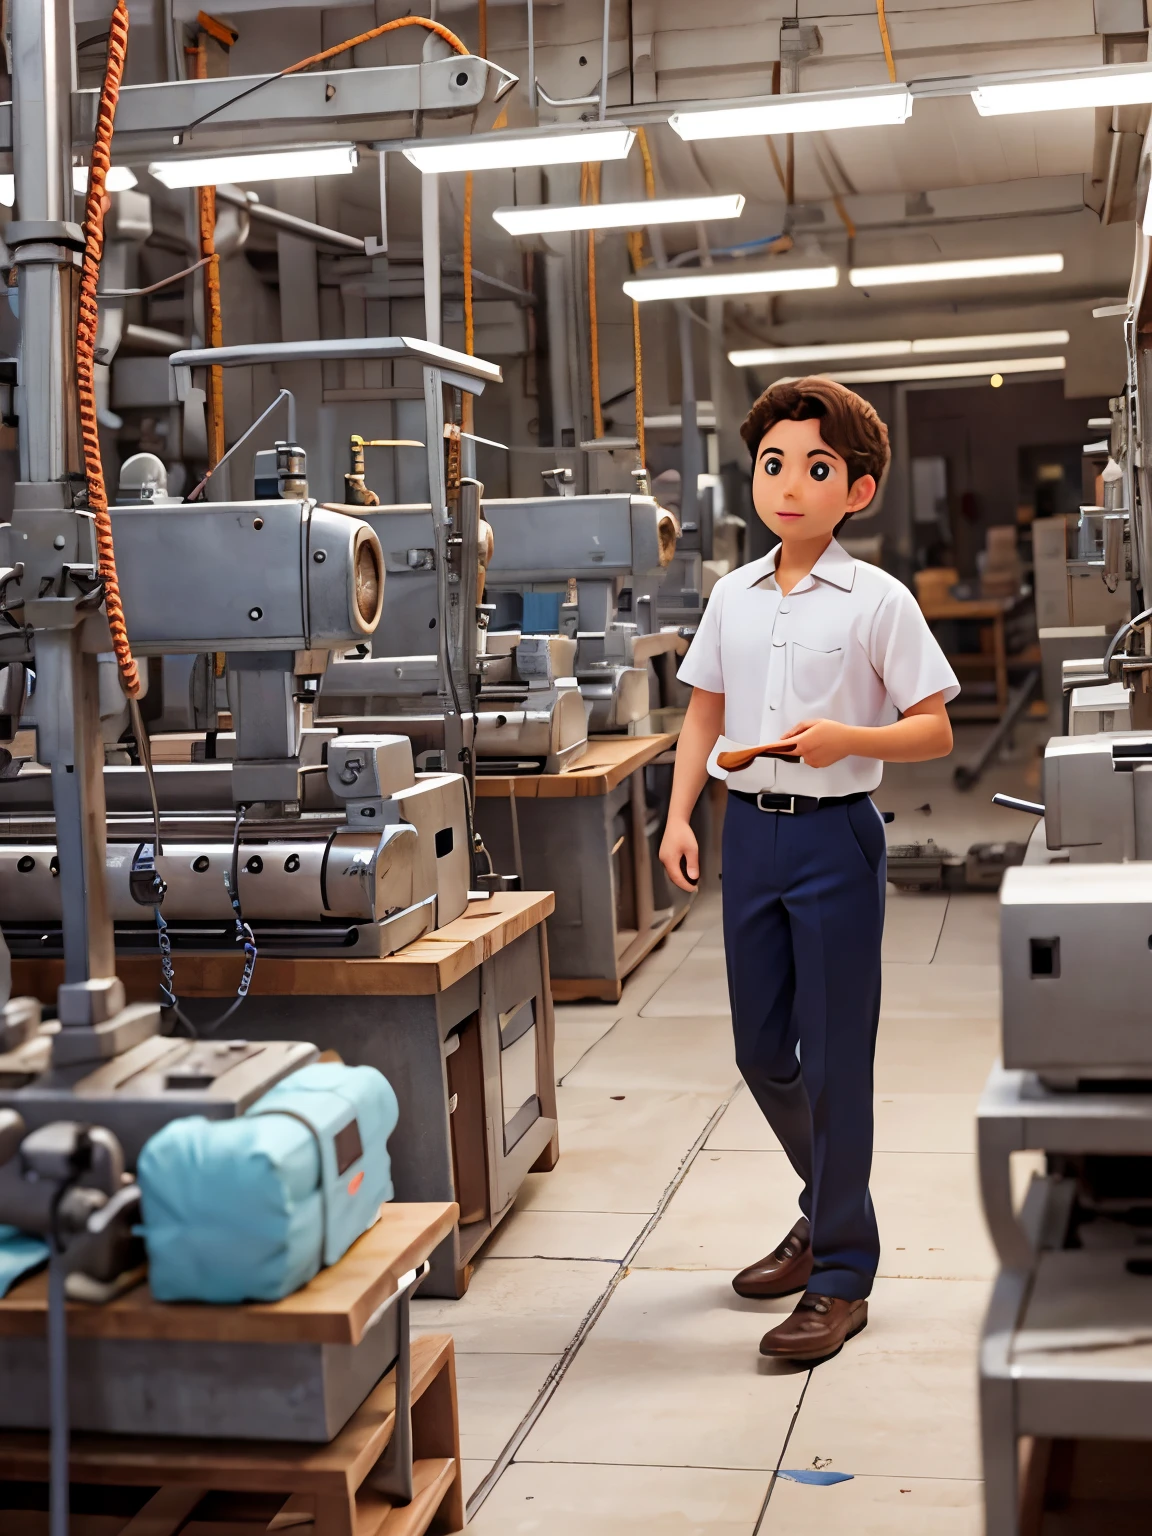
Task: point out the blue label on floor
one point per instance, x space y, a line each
821 1479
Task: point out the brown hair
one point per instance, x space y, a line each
847 423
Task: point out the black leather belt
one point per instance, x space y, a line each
794 805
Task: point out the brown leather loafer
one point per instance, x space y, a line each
781 1273
818 1327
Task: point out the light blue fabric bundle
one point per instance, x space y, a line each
19 1255
250 1209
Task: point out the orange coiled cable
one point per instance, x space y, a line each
86 346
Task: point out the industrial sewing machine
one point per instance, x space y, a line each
564 636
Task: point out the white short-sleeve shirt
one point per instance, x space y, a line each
848 643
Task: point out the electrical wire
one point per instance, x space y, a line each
86 331
330 53
590 192
165 282
882 19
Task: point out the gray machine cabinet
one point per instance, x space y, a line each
411 1039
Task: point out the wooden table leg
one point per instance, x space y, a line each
1001 654
335 1515
641 855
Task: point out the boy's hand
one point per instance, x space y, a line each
679 842
820 742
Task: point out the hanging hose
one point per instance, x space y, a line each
206 215
86 347
886 40
590 192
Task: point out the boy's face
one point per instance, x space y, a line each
800 485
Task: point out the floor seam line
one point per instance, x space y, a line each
590 1319
780 1459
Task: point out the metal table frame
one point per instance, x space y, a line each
1017 1113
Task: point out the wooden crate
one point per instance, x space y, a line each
216 1488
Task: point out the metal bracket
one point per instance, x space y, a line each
392 1474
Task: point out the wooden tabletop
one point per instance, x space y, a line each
331 1309
608 762
934 607
425 967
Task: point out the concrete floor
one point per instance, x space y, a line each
600 1341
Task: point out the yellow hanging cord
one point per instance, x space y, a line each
886 40
590 192
646 156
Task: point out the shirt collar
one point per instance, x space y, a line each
835 565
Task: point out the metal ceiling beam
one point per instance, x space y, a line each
336 103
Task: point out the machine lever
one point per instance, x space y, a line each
1013 803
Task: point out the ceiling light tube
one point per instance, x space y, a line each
809 112
509 151
755 357
955 271
261 165
663 210
973 369
119 179
1005 340
714 284
1059 91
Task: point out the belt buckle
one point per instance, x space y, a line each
779 810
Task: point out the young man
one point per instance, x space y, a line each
809 670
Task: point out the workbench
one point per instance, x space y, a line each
460 1022
937 603
327 1485
588 834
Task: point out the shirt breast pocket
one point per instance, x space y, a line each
815 673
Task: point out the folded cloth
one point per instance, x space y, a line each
19 1256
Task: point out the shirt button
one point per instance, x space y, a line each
785 608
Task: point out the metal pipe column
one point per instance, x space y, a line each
50 535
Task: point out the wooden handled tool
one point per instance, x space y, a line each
732 762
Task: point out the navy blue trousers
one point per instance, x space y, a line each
803 920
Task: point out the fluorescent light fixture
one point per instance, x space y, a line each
662 210
811 112
757 356
715 284
508 151
7 190
119 179
955 271
265 165
1111 86
974 369
1003 341
753 357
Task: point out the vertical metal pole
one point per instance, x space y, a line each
604 62
559 380
42 161
46 529
690 456
430 233
532 58
59 1496
383 172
